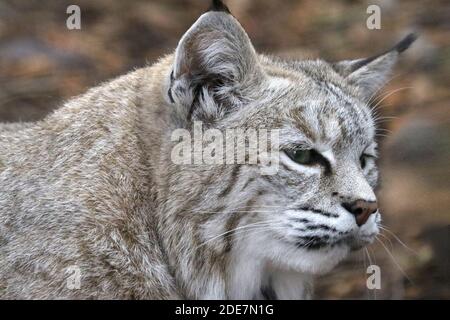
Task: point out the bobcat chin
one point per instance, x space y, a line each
93 186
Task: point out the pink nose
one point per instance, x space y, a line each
361 209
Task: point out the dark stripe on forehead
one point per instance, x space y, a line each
353 121
355 116
301 124
345 135
359 118
322 127
326 83
332 89
323 83
352 116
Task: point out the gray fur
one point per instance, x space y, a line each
92 185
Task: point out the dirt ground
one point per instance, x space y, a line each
42 63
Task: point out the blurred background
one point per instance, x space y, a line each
42 64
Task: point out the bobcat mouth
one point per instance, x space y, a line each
362 241
319 242
346 239
311 234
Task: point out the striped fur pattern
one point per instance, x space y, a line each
93 185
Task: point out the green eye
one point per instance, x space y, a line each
301 156
363 159
309 157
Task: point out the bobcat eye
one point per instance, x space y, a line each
364 158
308 157
305 156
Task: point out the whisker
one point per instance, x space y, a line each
384 228
258 230
363 252
388 239
384 130
255 209
368 255
370 263
390 94
232 211
374 95
256 224
375 261
383 120
395 261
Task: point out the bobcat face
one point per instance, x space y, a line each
320 204
321 201
327 165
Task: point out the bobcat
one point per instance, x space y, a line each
92 187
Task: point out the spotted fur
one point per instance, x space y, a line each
93 185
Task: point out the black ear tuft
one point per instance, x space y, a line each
370 74
405 42
218 5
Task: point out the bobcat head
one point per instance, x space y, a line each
237 227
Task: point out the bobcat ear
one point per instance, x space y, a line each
369 74
214 59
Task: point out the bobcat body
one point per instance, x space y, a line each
92 187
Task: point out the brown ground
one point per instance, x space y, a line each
43 63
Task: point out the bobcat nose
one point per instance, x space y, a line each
361 209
